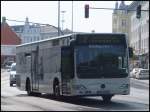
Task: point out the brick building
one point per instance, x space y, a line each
9 40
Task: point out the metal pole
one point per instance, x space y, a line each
62 19
140 53
72 16
58 17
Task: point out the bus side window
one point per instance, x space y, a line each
41 68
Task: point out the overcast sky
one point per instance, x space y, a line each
46 12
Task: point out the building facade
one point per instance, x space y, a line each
136 29
120 19
139 39
20 34
48 31
29 33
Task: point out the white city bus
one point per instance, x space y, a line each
82 64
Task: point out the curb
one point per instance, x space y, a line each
141 81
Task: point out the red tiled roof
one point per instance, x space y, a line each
8 37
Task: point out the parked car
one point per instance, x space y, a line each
134 71
8 64
13 74
142 74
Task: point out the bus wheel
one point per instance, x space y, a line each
56 90
107 98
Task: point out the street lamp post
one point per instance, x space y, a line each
58 18
72 16
62 18
140 51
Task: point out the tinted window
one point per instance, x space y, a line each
111 39
101 61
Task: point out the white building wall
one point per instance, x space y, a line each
140 26
30 34
9 50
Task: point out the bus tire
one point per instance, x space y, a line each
107 98
36 94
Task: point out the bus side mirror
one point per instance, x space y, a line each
130 52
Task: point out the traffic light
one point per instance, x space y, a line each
86 11
138 12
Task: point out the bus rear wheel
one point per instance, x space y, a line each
107 98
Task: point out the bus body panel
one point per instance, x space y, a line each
46 86
99 87
49 68
49 61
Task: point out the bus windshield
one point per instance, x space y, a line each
97 61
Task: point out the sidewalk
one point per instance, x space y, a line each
3 70
146 81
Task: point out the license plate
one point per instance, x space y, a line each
103 92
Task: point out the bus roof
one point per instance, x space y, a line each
58 37
72 34
100 34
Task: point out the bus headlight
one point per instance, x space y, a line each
124 86
80 87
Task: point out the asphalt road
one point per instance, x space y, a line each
13 99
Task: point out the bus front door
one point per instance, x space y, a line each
67 65
34 69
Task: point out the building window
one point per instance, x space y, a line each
147 42
115 21
134 46
144 28
137 45
142 44
145 45
55 42
63 41
148 24
123 23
